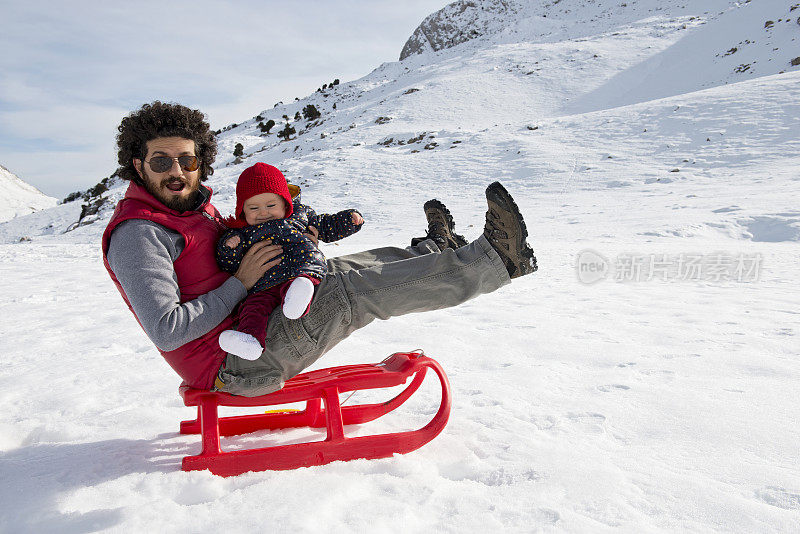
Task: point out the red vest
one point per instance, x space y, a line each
198 361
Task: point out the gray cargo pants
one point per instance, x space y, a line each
359 288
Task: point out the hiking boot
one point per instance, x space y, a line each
440 227
506 232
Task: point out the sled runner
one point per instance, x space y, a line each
320 390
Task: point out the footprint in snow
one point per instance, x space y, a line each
591 422
776 496
611 387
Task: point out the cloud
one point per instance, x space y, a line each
67 77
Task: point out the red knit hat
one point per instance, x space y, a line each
261 178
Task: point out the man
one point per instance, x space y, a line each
159 250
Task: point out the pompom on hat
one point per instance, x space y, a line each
261 178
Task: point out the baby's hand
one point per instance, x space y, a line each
356 218
232 242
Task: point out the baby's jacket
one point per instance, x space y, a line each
300 254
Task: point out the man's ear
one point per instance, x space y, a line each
137 164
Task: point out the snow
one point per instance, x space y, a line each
19 197
659 404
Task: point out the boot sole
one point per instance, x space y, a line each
499 195
451 224
437 205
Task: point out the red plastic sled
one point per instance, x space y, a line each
314 387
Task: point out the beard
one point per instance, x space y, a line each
160 191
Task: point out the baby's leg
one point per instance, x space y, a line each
298 296
248 341
240 344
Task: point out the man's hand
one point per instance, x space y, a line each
357 219
233 242
313 235
259 259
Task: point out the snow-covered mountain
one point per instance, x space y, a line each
20 198
655 399
740 40
479 64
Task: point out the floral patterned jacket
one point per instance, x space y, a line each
300 254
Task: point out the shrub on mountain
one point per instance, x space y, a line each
238 150
93 202
72 197
310 113
335 82
259 118
297 116
98 189
265 128
92 207
286 132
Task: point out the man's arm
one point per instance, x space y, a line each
141 254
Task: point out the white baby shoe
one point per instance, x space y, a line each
242 345
297 298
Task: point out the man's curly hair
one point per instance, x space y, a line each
163 120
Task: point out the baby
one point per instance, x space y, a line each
265 210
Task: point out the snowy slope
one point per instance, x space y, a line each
654 400
19 197
727 41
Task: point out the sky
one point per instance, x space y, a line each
69 75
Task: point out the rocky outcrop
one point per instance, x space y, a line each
458 23
96 202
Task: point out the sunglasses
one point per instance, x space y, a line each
164 163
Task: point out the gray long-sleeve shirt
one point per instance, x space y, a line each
141 254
